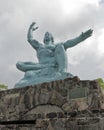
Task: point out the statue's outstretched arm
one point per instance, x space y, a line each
35 44
80 38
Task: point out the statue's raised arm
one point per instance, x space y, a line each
80 38
35 44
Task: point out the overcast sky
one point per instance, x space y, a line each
65 19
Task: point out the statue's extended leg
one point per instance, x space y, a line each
61 58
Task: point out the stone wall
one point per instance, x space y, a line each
64 104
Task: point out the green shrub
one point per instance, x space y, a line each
101 82
2 86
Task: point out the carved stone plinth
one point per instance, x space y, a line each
59 105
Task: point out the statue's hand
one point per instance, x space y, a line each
86 34
32 26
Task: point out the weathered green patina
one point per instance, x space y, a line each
52 59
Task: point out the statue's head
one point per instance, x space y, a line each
48 38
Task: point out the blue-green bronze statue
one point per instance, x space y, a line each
52 59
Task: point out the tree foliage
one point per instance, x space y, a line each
2 86
101 82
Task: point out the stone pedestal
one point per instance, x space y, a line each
69 104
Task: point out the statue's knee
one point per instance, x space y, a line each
60 46
60 49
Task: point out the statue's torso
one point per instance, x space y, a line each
45 54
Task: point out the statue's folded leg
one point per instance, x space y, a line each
27 66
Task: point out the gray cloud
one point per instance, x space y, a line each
15 18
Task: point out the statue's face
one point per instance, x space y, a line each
48 38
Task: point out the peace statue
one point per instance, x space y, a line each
52 59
